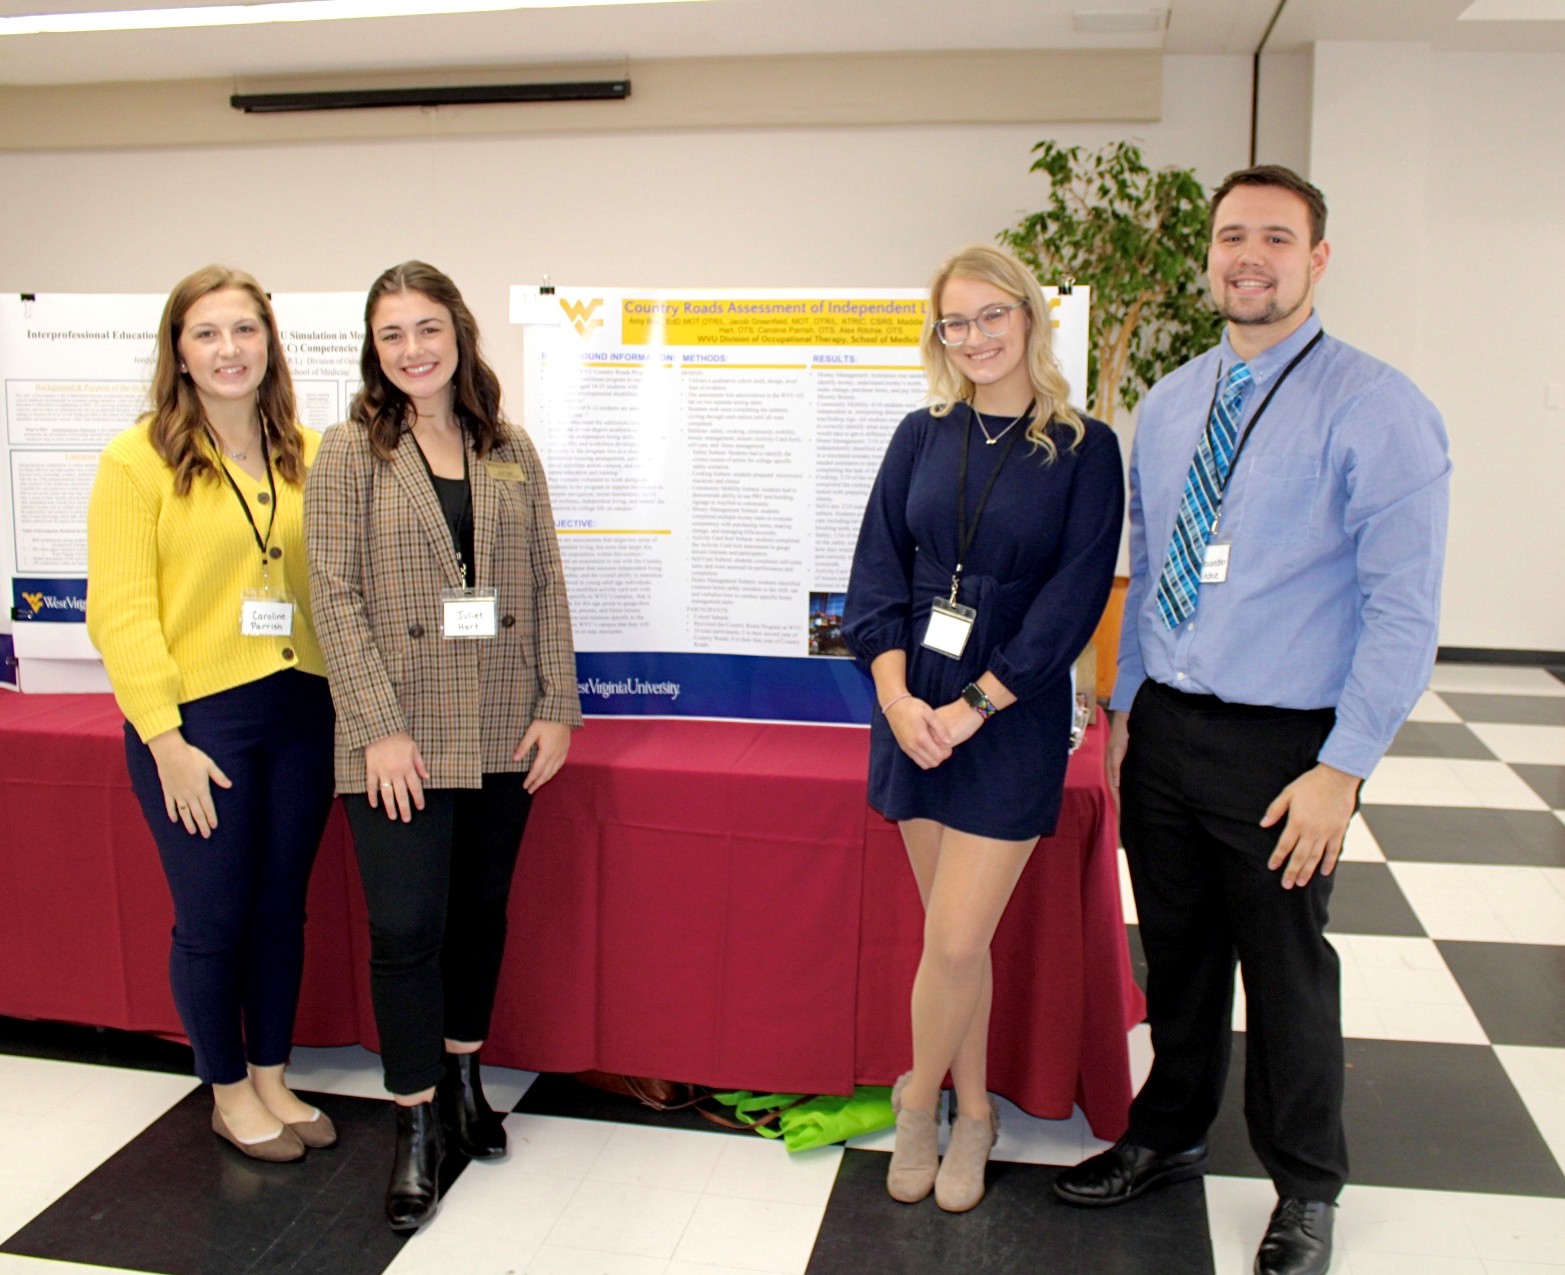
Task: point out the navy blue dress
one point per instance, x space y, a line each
1038 574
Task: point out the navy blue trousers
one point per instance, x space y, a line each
238 951
438 889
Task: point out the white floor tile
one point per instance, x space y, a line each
1140 1041
1535 745
554 1259
504 1201
1025 1139
442 1248
757 1169
1236 1211
759 1235
612 1217
10 1264
1539 1077
1360 846
1515 1228
1401 989
556 1146
677 1159
22 1198
350 1070
701 1268
1431 708
1492 679
1523 1268
1442 781
1486 903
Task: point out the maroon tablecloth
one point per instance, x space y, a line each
703 901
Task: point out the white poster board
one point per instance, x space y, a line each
710 453
75 369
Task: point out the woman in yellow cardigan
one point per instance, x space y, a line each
199 602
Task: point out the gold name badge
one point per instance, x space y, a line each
505 471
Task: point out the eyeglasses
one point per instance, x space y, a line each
991 321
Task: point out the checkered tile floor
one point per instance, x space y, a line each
1450 918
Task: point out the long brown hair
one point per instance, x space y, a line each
178 423
384 410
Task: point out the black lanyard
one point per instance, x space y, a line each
965 533
261 542
1250 425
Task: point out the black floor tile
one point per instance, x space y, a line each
1547 781
1516 989
68 1042
553 1095
1421 1116
177 1201
1522 710
1367 900
1018 1228
1445 834
1438 739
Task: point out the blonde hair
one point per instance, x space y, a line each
948 387
177 422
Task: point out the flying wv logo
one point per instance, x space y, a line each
580 314
34 600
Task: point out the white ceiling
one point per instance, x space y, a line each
718 28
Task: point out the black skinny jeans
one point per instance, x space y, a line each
437 890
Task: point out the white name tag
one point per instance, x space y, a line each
950 623
1214 567
263 614
469 613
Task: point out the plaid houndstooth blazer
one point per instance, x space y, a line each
380 553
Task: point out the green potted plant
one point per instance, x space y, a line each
1137 237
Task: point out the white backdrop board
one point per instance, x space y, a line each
709 457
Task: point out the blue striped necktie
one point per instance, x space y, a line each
1214 457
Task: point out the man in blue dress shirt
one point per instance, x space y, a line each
1287 519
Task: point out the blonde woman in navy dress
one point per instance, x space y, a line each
982 567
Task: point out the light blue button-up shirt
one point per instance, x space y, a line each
1337 515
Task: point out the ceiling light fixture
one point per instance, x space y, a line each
1120 21
243 15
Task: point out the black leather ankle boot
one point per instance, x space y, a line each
473 1126
414 1191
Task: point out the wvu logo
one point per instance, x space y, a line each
34 600
580 314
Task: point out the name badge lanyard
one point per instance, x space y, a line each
261 542
950 623
1244 437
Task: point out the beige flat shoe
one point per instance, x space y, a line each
281 1147
960 1183
911 1175
317 1132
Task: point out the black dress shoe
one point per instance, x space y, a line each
474 1128
1298 1238
1125 1171
414 1190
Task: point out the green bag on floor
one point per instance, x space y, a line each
817 1122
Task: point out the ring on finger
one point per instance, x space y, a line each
387 784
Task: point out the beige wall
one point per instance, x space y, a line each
1446 176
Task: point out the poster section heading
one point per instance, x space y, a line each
710 454
76 368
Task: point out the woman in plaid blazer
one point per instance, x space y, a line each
442 614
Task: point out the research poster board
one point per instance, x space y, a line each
75 369
709 454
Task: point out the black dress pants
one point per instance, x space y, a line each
437 889
1195 782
